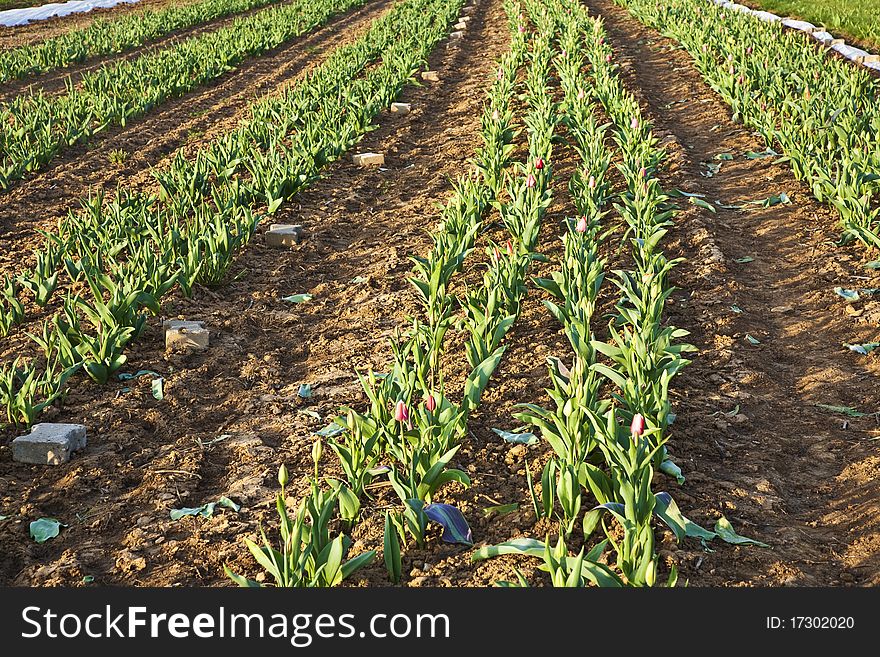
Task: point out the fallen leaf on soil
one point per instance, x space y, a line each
843 410
865 348
45 528
298 298
206 510
726 532
523 438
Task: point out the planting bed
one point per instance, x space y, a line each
761 431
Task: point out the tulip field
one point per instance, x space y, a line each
475 293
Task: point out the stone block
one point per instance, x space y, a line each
369 159
401 108
460 26
284 234
49 443
431 76
456 35
185 336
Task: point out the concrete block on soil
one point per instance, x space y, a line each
468 10
431 76
401 108
369 159
280 235
185 336
49 443
464 19
460 26
456 35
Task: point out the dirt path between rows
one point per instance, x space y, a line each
145 456
152 140
13 37
55 82
749 436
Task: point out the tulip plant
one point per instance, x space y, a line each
821 111
308 556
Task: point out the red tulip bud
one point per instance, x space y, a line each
431 404
581 225
539 164
638 426
510 248
608 58
522 29
500 74
741 79
592 182
643 172
564 53
749 50
601 40
531 181
581 95
634 124
401 412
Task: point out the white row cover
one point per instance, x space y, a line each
853 54
23 16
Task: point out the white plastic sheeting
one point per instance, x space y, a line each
23 16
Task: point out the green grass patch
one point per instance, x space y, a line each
854 20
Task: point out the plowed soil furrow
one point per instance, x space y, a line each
55 82
750 437
242 393
12 37
149 141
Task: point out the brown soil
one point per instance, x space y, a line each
782 470
12 37
55 82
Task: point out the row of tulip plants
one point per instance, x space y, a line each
117 258
413 429
520 193
822 112
35 128
110 36
608 424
